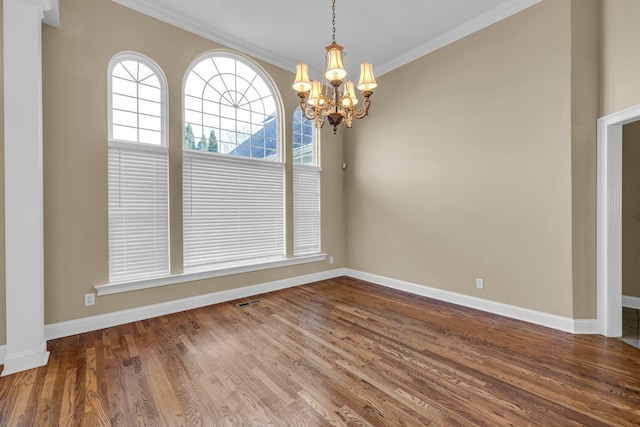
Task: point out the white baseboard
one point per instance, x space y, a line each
101 321
88 324
18 362
631 302
575 326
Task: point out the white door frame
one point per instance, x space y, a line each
609 222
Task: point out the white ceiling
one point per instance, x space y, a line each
284 32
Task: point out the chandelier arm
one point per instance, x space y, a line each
309 112
313 112
361 113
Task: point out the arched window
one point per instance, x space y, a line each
306 186
137 168
233 176
230 108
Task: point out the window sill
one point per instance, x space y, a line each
154 282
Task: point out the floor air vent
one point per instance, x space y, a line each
248 303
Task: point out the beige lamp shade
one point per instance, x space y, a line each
315 97
302 82
335 65
367 81
351 90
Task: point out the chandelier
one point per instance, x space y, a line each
335 102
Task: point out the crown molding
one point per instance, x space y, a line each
469 27
182 21
51 11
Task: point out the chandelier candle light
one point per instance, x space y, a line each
337 102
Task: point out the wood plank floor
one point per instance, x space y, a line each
335 353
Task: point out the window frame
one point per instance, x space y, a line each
277 162
268 80
139 147
164 96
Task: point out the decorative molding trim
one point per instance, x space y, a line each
575 326
586 327
3 353
631 302
180 20
101 321
51 12
478 23
609 219
115 288
19 362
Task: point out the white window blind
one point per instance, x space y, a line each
138 212
306 209
233 210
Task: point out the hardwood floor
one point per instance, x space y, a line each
333 353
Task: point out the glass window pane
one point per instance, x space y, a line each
123 133
225 65
120 71
210 107
192 103
147 77
150 108
122 102
227 112
228 124
149 122
192 117
150 137
125 118
197 130
124 87
149 93
211 121
194 86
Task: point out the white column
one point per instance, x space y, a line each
24 246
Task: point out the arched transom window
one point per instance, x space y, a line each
229 108
137 101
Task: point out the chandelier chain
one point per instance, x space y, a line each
333 19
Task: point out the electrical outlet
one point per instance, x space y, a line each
89 299
330 260
479 283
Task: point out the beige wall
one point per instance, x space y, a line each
585 104
620 22
631 210
75 158
3 315
620 89
464 169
